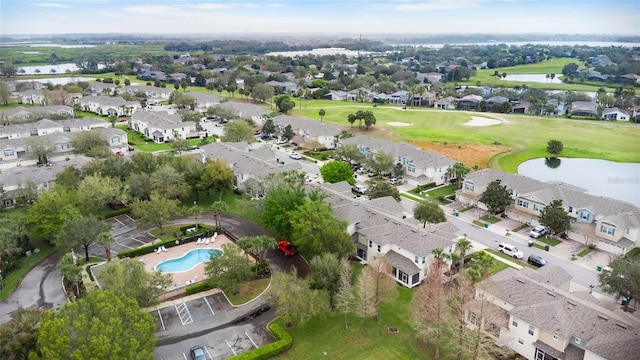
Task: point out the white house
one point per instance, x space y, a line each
109 106
309 130
615 114
160 126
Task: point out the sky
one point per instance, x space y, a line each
349 17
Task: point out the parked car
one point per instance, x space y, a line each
281 142
287 248
537 261
510 250
538 231
395 181
360 189
197 353
295 156
361 170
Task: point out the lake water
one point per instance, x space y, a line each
599 177
60 80
31 44
46 69
539 78
603 44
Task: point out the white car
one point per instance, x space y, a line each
295 155
510 250
538 231
281 142
395 181
360 189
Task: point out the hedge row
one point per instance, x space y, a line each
113 213
272 349
148 249
199 287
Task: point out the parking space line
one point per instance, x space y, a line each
229 345
207 350
161 321
130 218
253 342
136 239
208 305
125 246
185 356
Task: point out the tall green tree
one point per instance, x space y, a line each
315 230
128 278
228 270
428 211
269 127
52 209
90 143
337 171
70 271
458 172
69 178
218 208
369 119
555 217
80 231
217 176
463 245
105 239
168 182
281 200
257 245
19 336
349 153
95 192
98 326
296 303
381 163
284 103
40 149
623 280
325 274
157 211
496 197
237 131
287 133
382 189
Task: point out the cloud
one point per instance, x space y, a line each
150 9
231 6
430 5
53 5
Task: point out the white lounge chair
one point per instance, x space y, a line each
215 235
207 241
199 241
164 248
158 250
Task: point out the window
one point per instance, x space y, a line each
424 258
8 153
66 129
514 322
115 139
531 329
609 230
520 341
538 208
378 248
522 203
370 243
411 168
555 337
570 209
403 277
584 215
473 318
415 278
416 259
469 187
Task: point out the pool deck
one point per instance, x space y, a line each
182 279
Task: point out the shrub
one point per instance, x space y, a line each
263 267
270 350
199 287
147 249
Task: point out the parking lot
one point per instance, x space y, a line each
211 322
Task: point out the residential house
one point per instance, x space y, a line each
426 99
16 182
469 102
337 95
553 107
203 101
601 60
399 97
495 100
32 97
615 114
246 164
150 92
421 167
628 79
109 106
283 87
584 108
379 228
523 107
611 225
244 110
176 77
26 114
100 88
117 139
540 320
313 133
45 126
448 103
160 126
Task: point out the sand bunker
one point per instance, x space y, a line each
482 121
396 123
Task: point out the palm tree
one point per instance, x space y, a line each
219 207
440 257
195 210
106 239
463 245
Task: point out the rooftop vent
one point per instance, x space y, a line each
622 325
551 294
571 303
521 281
603 317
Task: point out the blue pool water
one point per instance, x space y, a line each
188 260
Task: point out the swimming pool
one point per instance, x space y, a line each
188 260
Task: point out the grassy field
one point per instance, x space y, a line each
248 291
517 139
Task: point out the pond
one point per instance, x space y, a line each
46 69
60 80
616 180
540 78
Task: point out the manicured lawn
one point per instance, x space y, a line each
238 204
507 257
490 219
167 231
138 142
248 291
549 240
325 338
524 137
439 193
585 251
26 264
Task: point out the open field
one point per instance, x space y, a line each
505 146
